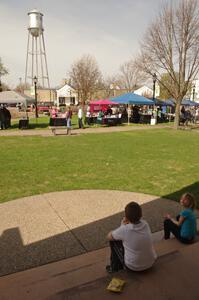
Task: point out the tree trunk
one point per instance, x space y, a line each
177 114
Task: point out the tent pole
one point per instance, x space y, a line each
26 109
128 112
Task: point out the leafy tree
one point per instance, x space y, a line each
3 71
5 87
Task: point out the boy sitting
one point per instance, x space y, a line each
131 243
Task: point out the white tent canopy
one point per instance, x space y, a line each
12 97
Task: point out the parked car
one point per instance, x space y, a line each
44 108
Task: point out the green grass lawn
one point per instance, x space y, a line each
161 162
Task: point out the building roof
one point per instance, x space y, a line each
144 89
65 87
14 97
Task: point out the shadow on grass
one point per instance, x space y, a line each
38 125
193 188
16 256
31 125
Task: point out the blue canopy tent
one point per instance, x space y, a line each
170 102
159 102
185 102
132 99
188 102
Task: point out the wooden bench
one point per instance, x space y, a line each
57 123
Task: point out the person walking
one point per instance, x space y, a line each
80 117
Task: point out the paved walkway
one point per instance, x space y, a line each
174 276
48 132
40 229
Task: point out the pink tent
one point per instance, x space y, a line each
103 102
101 105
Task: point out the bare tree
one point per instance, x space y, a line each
171 46
85 77
131 76
21 87
110 84
3 71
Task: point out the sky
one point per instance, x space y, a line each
110 30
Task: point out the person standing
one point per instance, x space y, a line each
80 117
68 119
2 118
7 116
88 117
54 112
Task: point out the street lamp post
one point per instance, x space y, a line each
20 84
0 84
194 92
35 85
154 82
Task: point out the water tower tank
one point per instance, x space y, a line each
35 22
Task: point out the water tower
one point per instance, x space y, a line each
36 62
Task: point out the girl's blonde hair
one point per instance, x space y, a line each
190 197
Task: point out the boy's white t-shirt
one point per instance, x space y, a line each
139 253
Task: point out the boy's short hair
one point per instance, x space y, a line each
133 212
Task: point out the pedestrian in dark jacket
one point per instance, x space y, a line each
2 118
7 116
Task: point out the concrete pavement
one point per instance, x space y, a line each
174 276
45 228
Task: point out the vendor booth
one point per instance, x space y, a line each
132 99
15 99
102 105
136 115
103 112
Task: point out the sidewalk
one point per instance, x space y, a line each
46 228
174 276
48 132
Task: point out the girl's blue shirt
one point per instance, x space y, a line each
189 226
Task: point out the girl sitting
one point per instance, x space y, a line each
185 226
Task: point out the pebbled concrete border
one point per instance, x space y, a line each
40 229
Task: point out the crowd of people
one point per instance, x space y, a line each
189 114
133 114
5 117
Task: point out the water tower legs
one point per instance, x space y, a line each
36 61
